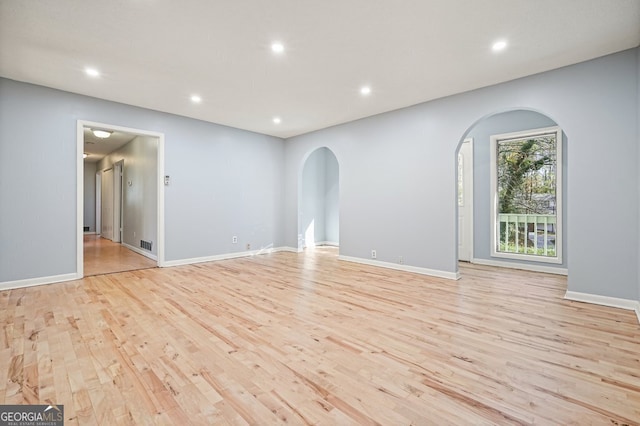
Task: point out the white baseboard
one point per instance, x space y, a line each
322 244
140 251
90 233
614 302
522 266
226 256
286 249
405 268
9 285
327 243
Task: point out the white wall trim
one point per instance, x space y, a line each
596 299
140 251
286 249
9 285
90 233
523 266
468 194
405 268
79 199
327 243
226 256
638 311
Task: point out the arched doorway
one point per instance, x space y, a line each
485 215
319 201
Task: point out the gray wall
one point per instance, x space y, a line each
512 121
332 198
397 176
225 181
90 196
319 202
638 169
398 172
140 200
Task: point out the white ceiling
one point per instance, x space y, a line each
157 53
96 148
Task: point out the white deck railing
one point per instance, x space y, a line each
527 233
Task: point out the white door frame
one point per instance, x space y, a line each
99 202
118 167
468 195
108 213
80 125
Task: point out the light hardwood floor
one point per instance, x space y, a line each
307 339
102 256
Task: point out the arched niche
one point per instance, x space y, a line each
319 200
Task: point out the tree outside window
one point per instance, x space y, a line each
526 177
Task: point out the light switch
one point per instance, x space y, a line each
166 180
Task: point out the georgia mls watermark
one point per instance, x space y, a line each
31 415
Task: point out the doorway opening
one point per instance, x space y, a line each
530 220
120 199
319 201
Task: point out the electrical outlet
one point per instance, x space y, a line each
248 246
234 240
400 260
374 254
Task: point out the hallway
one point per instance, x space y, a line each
102 256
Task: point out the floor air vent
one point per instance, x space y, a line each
145 245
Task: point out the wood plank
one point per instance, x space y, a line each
307 339
102 256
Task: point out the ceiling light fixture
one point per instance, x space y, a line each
102 134
499 46
277 47
196 99
92 72
277 120
366 90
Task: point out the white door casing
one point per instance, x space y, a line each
99 202
107 204
465 201
159 175
118 167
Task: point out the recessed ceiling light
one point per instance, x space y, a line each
499 45
102 134
277 47
365 90
92 72
277 120
196 99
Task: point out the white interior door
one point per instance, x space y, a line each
98 202
117 201
465 201
107 204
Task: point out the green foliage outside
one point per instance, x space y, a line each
511 248
526 185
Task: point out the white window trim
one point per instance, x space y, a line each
559 200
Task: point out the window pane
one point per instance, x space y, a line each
526 189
